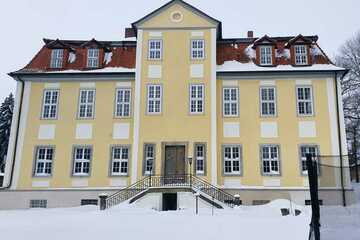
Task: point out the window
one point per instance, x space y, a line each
38 203
50 104
154 99
270 160
43 161
82 158
89 202
301 57
120 160
304 101
230 102
268 101
56 58
149 159
87 103
232 158
196 98
197 49
265 55
260 202
93 58
308 202
306 149
123 102
200 153
155 49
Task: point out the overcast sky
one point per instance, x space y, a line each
23 23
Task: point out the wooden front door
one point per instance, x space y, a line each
174 160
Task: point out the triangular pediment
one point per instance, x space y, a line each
177 14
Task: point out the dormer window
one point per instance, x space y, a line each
265 55
57 56
93 58
301 57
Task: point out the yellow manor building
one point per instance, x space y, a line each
174 109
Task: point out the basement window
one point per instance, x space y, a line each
308 202
38 203
89 202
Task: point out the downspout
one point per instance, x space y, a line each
340 140
16 135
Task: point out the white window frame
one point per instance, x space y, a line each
301 55
155 52
305 102
57 58
197 53
46 169
93 57
266 55
49 105
196 100
153 101
233 104
87 104
200 159
122 160
273 161
122 104
149 158
234 161
82 160
268 102
303 166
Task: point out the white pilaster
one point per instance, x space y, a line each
13 132
135 148
21 135
213 110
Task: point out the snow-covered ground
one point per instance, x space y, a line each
341 223
130 222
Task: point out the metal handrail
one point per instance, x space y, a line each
184 180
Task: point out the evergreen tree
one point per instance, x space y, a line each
6 113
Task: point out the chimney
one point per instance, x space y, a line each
250 34
129 32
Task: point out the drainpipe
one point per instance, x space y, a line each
339 139
16 133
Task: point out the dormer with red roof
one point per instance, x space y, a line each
300 50
265 48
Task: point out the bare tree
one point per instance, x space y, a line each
349 57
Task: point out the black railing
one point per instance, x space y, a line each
188 181
127 193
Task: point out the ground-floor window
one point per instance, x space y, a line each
307 149
43 161
200 156
231 159
149 158
270 160
120 160
38 203
82 159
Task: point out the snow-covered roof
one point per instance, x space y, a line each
102 70
235 66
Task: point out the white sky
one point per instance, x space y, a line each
23 23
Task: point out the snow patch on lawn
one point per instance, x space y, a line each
338 222
130 222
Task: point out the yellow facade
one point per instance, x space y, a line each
175 124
